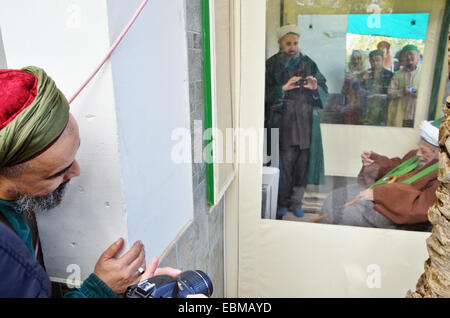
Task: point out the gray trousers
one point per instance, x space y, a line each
360 213
293 178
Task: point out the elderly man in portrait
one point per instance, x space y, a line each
295 89
391 193
39 140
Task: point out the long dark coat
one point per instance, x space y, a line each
295 112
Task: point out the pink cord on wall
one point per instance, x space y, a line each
113 47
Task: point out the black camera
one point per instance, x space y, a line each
164 286
303 82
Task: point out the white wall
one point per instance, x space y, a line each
3 63
128 187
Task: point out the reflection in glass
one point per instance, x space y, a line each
295 88
379 94
403 89
384 195
343 69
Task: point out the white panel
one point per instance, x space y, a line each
337 261
151 93
222 106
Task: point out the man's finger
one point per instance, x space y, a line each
132 253
112 250
138 262
151 268
168 271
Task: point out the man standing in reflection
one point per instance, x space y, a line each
375 83
295 89
403 90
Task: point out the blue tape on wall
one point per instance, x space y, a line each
401 25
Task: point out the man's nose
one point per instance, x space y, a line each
73 172
419 154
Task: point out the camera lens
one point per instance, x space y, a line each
194 282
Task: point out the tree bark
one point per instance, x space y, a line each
435 282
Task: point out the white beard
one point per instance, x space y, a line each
43 203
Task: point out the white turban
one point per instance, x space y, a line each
429 132
287 29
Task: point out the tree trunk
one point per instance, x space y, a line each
435 282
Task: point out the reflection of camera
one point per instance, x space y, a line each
164 286
302 82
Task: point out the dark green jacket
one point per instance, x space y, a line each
92 287
376 86
276 71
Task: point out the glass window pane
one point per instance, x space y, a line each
345 92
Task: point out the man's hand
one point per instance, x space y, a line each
366 76
410 91
366 195
312 83
153 270
365 158
119 273
291 84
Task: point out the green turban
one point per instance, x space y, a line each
33 114
410 47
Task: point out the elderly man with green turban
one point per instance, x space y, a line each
39 140
403 89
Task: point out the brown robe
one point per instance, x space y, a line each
401 203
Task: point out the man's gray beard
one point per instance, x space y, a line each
29 203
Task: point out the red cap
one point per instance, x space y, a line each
18 89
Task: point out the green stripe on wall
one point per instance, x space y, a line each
207 91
